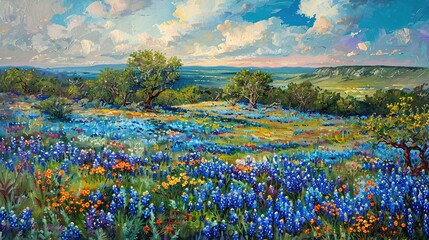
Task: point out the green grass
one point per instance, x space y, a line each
387 78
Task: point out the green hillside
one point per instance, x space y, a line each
359 81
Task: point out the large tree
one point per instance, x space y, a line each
250 85
404 127
302 96
155 73
116 86
19 80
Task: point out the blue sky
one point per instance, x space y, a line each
269 33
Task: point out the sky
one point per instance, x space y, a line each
260 33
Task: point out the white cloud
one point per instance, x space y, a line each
197 29
87 46
56 32
319 8
352 53
119 36
145 40
116 8
362 46
379 53
171 30
322 25
75 21
196 15
97 9
39 44
403 35
241 34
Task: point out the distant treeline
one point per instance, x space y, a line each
304 96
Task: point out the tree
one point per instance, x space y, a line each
155 73
49 86
302 96
378 101
404 127
190 94
116 86
251 86
231 94
347 106
274 96
420 95
18 80
327 102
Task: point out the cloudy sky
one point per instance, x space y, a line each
269 33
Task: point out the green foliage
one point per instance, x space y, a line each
155 73
115 86
302 96
27 82
404 128
187 95
327 102
56 108
73 91
169 97
190 94
420 95
274 96
231 94
347 106
210 94
13 186
249 85
377 103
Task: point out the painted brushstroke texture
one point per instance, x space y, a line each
268 33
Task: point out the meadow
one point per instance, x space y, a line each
201 171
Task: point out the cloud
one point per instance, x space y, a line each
87 46
352 53
322 25
97 9
56 32
379 53
241 34
119 36
319 8
196 15
116 8
263 38
403 36
362 46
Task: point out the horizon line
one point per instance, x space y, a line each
230 66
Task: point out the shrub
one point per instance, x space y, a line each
56 108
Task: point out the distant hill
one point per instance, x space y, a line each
361 80
353 72
196 75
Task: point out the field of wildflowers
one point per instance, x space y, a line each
202 171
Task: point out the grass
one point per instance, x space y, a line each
242 128
367 85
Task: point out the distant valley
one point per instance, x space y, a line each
349 80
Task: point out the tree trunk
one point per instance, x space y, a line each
407 158
253 104
147 103
424 165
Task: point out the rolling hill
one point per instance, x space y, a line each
359 81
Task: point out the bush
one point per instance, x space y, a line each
56 108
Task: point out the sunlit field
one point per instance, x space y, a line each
206 171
